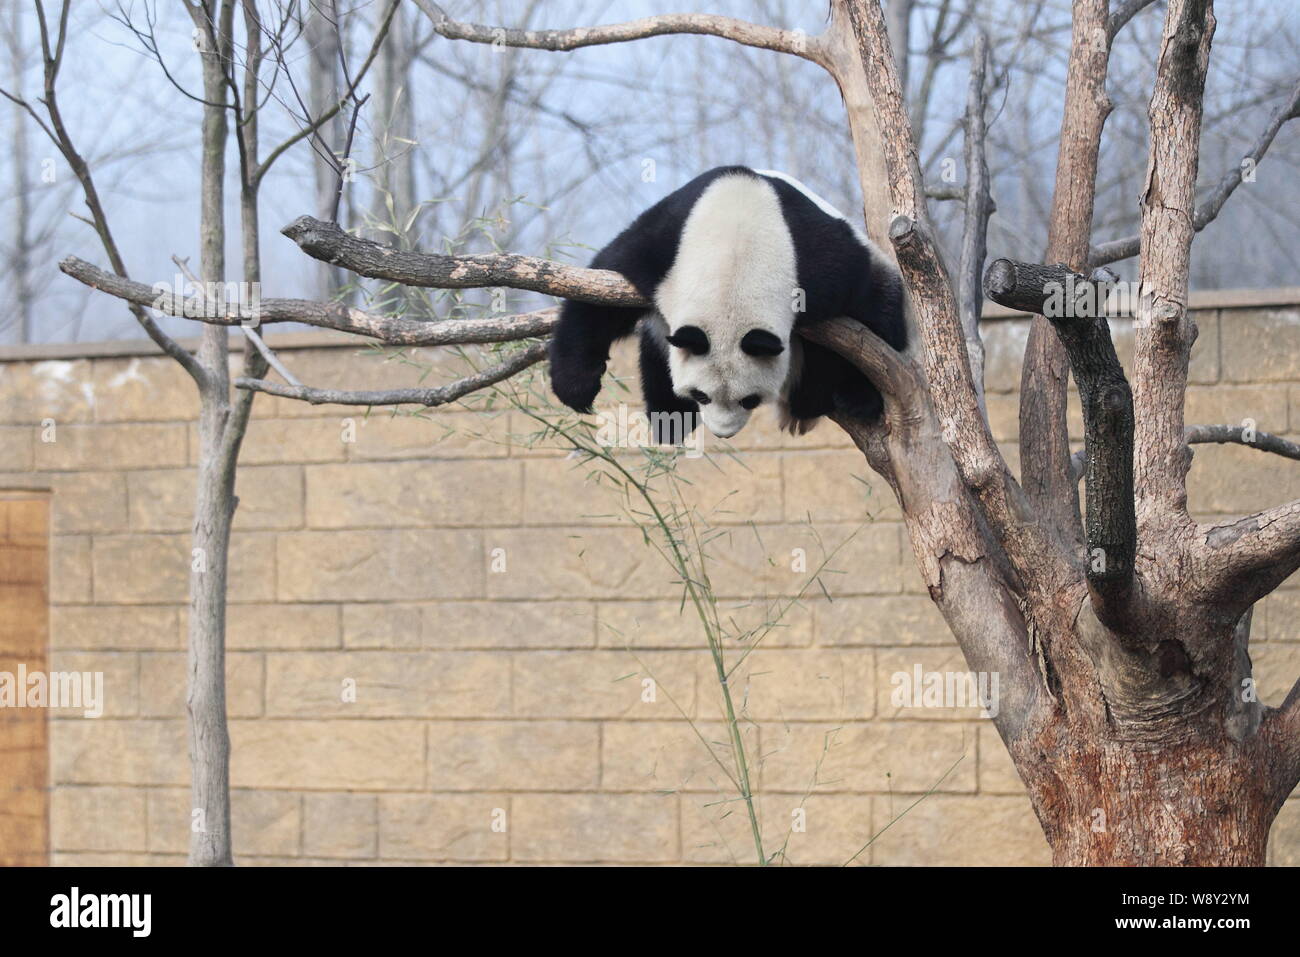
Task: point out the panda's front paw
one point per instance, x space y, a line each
576 384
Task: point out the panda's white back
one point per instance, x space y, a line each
735 266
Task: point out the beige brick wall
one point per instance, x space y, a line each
500 716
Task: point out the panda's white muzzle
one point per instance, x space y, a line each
724 423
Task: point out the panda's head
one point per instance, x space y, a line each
727 371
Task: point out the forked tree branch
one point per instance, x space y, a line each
1111 523
440 395
794 42
1125 11
1210 207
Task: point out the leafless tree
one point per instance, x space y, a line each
1121 634
233 93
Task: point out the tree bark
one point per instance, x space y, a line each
1186 805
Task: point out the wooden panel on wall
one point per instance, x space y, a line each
24 640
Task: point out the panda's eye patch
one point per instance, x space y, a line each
700 397
751 401
761 343
691 338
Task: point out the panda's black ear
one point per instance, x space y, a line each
760 342
691 338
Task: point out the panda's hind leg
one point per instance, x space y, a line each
857 396
828 382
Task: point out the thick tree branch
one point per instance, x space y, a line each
1210 207
1111 522
1164 331
338 316
442 395
1241 561
946 362
975 223
1044 380
794 42
1042 290
329 243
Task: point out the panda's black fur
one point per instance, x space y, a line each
839 274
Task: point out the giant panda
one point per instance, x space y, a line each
734 261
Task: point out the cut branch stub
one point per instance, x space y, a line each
1028 287
1110 523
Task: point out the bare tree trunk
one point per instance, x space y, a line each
1044 437
1144 764
210 839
